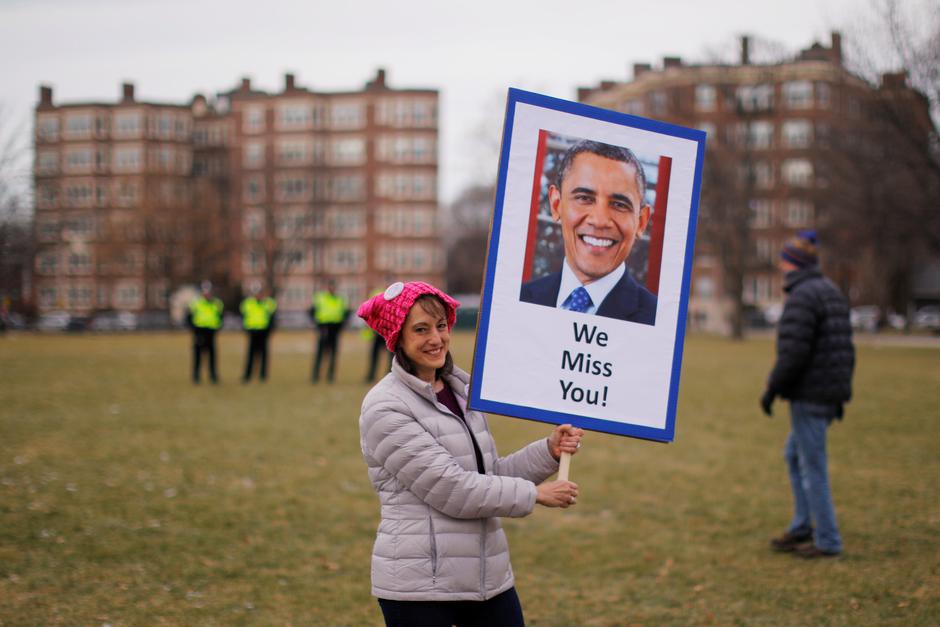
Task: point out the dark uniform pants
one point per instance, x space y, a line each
327 343
378 348
257 347
204 341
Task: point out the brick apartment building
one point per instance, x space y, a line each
778 123
135 200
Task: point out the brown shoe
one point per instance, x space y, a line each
811 551
788 542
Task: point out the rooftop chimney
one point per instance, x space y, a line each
288 82
669 62
837 47
379 81
640 68
127 92
745 50
45 96
246 84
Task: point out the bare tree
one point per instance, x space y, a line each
884 175
468 228
16 233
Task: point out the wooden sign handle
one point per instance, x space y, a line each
563 465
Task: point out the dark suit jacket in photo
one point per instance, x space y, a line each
628 300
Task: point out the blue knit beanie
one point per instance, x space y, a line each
801 250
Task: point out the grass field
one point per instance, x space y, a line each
131 497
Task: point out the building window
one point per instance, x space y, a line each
406 186
756 135
292 152
254 189
346 259
254 155
799 213
797 133
78 125
253 261
78 227
346 223
47 195
349 187
47 263
253 224
406 149
797 172
127 193
761 213
128 296
47 128
294 116
128 124
634 107
128 159
705 288
79 262
706 97
79 195
47 229
755 97
347 115
47 162
348 151
762 247
659 102
253 119
798 94
294 188
822 95
760 173
79 160
408 112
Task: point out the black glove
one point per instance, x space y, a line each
766 401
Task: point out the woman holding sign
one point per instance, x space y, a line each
440 555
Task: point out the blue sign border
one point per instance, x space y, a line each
666 434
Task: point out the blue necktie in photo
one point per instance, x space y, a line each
578 300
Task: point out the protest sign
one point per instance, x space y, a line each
604 201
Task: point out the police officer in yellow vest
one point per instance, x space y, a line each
205 318
258 314
329 312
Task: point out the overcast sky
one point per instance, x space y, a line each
471 51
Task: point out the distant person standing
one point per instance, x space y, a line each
813 370
205 318
378 348
258 316
329 312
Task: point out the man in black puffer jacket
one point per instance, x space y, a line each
815 360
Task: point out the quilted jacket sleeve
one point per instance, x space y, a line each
397 442
795 339
532 462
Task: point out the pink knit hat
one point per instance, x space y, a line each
385 313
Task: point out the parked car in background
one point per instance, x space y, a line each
864 318
114 321
154 321
928 318
53 321
77 324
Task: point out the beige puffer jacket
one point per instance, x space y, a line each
440 537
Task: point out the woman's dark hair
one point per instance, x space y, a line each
436 307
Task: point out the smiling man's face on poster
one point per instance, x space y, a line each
602 212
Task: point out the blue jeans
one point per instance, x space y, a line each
809 473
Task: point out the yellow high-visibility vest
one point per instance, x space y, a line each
256 314
330 308
207 313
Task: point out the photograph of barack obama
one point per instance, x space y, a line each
597 196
